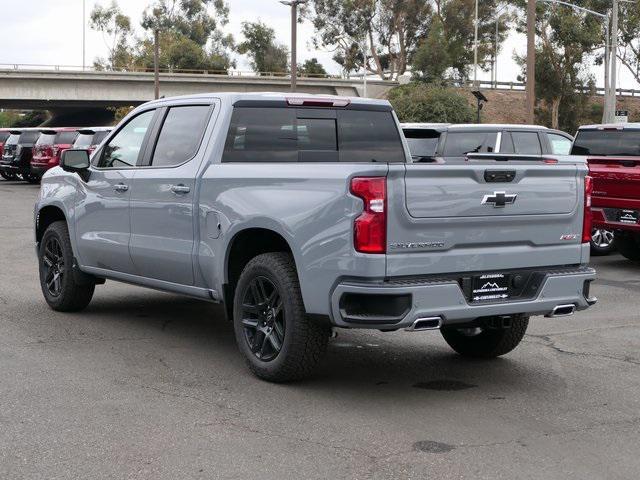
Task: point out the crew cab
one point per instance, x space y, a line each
613 155
303 213
17 154
47 149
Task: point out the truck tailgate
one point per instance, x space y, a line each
615 177
485 215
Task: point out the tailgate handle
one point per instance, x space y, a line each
498 176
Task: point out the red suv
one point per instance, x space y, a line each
51 143
89 138
613 153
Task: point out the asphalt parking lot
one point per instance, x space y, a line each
145 384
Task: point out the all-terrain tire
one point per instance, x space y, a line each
489 342
72 296
305 340
628 244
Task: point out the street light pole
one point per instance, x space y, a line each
531 61
84 24
156 64
609 84
475 49
614 60
294 40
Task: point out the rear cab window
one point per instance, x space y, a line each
607 142
290 134
46 139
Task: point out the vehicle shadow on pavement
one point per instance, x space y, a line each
357 360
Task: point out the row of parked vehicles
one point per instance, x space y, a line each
26 153
613 155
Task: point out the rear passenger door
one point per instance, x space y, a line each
163 212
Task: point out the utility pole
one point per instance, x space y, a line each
156 64
84 25
475 49
531 61
294 38
614 60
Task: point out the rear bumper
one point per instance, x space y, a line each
445 299
605 218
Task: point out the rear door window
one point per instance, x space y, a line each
181 135
526 143
559 145
458 144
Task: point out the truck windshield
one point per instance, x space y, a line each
607 142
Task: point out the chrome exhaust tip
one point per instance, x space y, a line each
562 310
425 323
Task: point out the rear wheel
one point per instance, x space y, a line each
59 285
602 241
485 342
628 244
7 175
278 340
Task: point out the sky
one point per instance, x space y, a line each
49 32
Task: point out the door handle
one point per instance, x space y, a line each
121 187
180 189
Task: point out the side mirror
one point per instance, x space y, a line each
75 160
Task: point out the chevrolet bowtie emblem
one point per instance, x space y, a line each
499 199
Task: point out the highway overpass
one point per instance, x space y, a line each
54 90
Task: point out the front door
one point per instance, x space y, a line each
103 220
162 200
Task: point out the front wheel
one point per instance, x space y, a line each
278 340
485 342
59 286
628 245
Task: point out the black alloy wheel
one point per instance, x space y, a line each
263 318
54 267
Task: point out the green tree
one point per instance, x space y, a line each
312 68
389 30
115 27
629 38
260 45
421 102
566 41
32 118
190 37
431 61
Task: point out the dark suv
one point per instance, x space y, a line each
4 134
18 151
438 142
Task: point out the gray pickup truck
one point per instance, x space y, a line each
303 213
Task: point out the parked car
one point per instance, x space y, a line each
301 213
90 138
4 134
613 154
441 142
18 151
51 143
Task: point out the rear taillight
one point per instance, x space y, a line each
370 228
588 214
